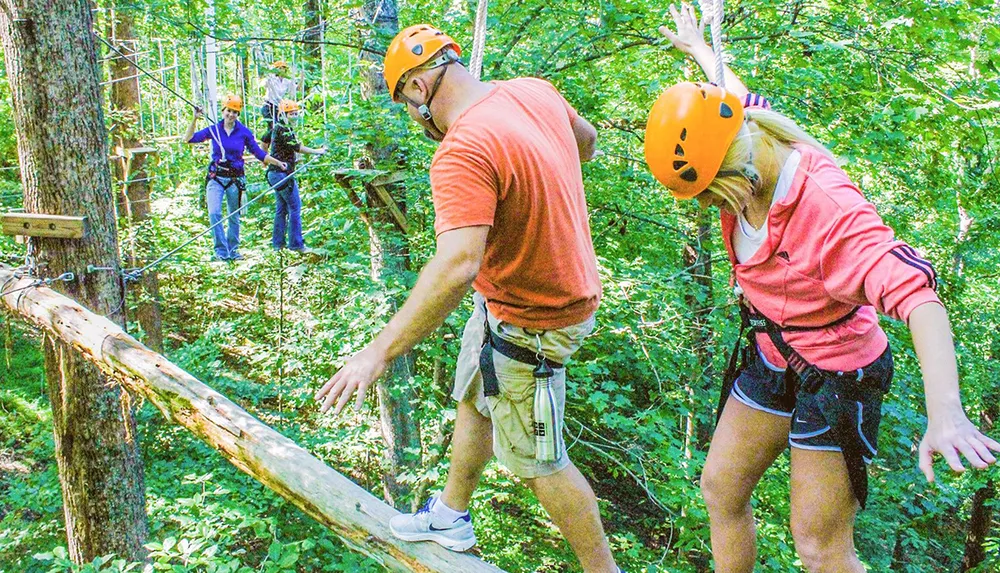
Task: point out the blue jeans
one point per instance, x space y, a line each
226 244
287 212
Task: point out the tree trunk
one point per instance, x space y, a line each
698 296
979 526
62 148
125 103
981 516
390 260
311 53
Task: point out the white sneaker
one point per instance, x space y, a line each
425 525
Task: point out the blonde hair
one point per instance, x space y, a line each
755 146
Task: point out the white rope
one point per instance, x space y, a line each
479 40
720 70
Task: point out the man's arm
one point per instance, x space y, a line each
439 289
586 138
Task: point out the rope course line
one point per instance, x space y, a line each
214 120
479 40
720 70
244 39
143 70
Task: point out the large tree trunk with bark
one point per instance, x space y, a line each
390 261
134 184
62 147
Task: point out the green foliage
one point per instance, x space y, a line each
903 93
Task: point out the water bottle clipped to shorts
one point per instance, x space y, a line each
548 434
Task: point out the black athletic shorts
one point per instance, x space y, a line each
762 386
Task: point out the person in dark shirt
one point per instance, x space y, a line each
288 204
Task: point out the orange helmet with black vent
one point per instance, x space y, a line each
411 49
233 102
289 106
688 135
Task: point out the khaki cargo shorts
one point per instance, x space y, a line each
512 411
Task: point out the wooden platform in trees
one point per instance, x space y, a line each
355 515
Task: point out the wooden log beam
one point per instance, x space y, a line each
390 204
355 515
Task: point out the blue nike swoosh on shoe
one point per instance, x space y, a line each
467 518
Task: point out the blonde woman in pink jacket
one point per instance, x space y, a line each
814 265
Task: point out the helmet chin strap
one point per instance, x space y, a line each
424 109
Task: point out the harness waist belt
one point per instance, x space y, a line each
491 386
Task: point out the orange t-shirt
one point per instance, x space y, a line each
511 162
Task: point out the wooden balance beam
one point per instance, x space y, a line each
357 517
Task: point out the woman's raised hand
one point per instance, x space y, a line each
690 34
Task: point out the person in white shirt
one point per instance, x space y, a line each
278 85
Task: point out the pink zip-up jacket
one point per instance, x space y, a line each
827 251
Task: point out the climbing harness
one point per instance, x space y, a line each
548 436
217 171
835 392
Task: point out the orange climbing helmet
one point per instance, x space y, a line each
279 65
233 102
289 106
688 135
412 48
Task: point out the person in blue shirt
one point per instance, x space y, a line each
225 173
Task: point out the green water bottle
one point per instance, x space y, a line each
547 438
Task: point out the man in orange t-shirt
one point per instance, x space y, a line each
511 221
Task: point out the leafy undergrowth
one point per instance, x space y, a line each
204 515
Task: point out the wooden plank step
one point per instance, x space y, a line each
41 225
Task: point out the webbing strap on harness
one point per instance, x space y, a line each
235 178
491 342
832 394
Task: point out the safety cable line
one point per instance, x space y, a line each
240 39
134 274
65 277
141 69
214 120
